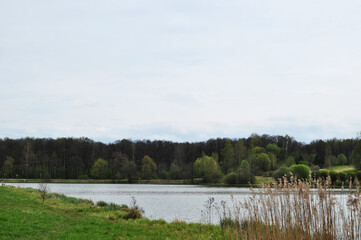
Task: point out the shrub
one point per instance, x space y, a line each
281 172
338 183
102 204
315 174
323 174
132 213
301 171
244 173
342 176
231 178
114 207
333 175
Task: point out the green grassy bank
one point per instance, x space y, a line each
23 215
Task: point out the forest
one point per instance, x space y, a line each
83 158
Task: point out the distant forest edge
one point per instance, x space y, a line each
235 160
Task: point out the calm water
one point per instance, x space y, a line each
168 202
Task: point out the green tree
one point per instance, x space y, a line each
280 173
273 148
244 173
129 169
263 162
228 160
100 168
240 152
8 167
208 169
148 167
356 155
290 161
341 159
175 171
258 150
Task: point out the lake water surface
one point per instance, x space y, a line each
168 202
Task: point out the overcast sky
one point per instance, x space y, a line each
180 70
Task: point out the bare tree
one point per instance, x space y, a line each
44 190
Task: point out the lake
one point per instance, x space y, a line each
168 202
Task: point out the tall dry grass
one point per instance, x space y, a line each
294 209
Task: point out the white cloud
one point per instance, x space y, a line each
180 70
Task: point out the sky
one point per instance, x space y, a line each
180 70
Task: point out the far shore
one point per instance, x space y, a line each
123 181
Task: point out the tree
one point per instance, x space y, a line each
301 171
43 190
9 167
148 167
244 173
280 173
240 152
227 153
341 159
100 168
273 148
129 169
175 171
356 155
258 150
290 161
208 169
123 166
263 162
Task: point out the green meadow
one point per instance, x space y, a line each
23 215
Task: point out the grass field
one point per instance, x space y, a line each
260 179
24 216
341 168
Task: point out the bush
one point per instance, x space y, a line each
114 207
323 174
315 168
132 213
281 172
300 171
333 175
315 174
338 183
342 176
231 178
102 204
244 173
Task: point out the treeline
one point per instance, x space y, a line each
72 158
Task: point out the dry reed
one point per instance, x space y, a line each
294 209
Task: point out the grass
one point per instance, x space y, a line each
285 210
341 168
23 215
264 180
